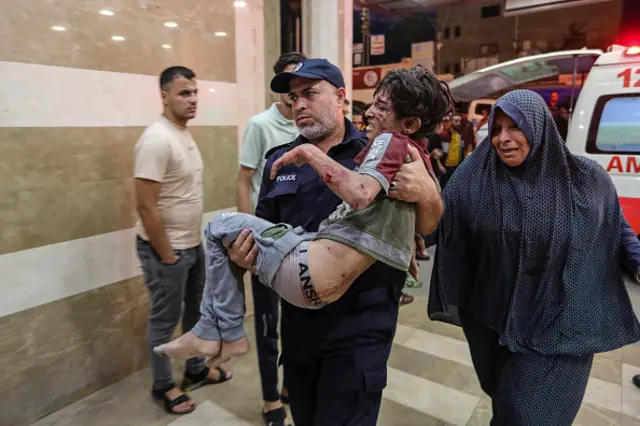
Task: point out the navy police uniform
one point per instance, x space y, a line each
335 358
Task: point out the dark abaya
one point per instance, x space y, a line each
527 261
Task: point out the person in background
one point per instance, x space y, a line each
271 128
357 118
169 199
345 108
436 154
457 144
562 120
481 128
467 131
434 147
554 100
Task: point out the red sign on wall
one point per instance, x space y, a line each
367 78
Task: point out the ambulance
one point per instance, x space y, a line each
605 125
605 118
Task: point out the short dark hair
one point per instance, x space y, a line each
417 93
286 59
172 73
356 111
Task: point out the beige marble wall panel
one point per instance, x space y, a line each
271 46
60 184
219 149
26 35
59 352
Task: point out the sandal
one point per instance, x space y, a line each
160 397
411 282
194 381
405 299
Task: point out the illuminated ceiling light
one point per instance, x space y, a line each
219 34
239 3
58 28
117 38
212 90
171 25
166 46
106 12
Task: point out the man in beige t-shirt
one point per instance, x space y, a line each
169 194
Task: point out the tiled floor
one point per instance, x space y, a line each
430 382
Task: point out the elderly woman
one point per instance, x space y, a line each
527 262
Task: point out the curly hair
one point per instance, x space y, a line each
417 93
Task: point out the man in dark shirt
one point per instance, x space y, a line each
335 358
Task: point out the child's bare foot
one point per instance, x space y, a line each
229 350
189 345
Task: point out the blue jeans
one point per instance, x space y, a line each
169 286
222 309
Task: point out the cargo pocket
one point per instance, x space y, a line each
375 379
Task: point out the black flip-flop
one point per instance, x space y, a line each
192 382
274 417
160 397
284 399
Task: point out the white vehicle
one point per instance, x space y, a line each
605 123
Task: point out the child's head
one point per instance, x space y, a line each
409 101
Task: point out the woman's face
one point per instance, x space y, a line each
508 140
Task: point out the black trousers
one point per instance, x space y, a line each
526 389
265 304
335 363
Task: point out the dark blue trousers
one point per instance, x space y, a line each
335 359
265 305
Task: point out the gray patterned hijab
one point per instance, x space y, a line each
533 251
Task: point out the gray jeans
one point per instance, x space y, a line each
222 309
169 286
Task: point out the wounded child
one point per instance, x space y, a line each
308 270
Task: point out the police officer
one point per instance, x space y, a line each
335 358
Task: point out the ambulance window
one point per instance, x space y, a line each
615 127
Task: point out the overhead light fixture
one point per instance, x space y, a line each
219 34
166 46
212 90
117 38
106 12
171 25
239 3
58 28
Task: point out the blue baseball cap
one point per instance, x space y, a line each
315 69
